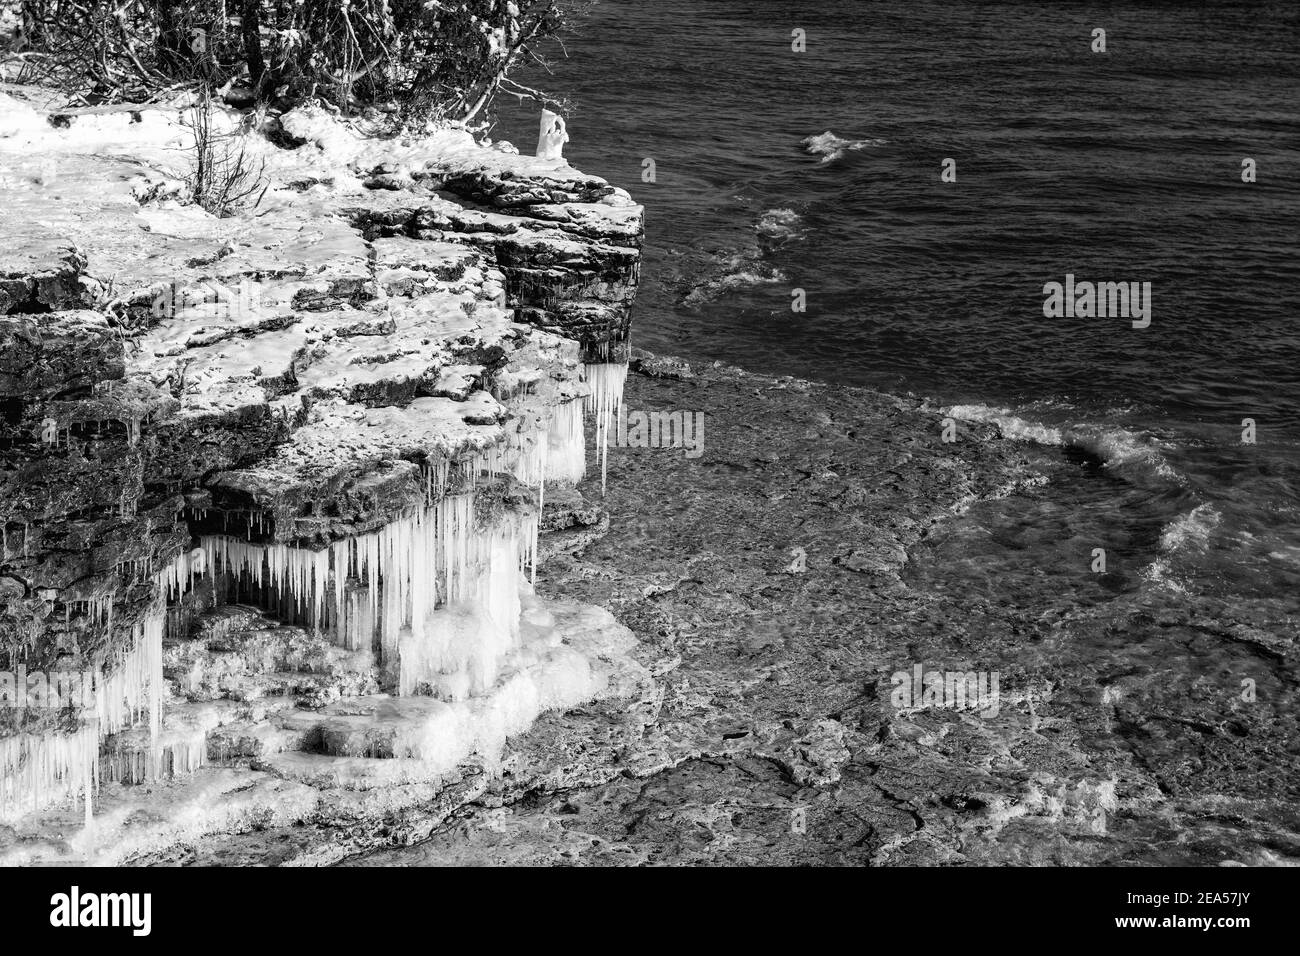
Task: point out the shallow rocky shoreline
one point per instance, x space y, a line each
770 737
751 678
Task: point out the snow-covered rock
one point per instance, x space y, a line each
339 404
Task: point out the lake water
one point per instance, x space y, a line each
1123 166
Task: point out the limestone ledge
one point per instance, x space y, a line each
393 316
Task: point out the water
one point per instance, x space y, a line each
1114 167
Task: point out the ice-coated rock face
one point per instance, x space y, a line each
284 408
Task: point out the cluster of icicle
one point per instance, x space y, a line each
556 452
176 754
606 380
566 452
39 769
439 593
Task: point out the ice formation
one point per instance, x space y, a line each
439 593
551 136
606 380
39 769
566 457
132 688
556 452
558 660
173 754
544 674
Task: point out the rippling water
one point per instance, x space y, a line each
1117 167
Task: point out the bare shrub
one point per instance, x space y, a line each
223 179
438 57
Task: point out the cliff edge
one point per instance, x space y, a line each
272 479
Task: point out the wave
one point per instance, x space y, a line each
1135 458
748 267
1289 554
1186 533
711 289
831 147
1191 530
1157 574
778 225
1124 452
740 270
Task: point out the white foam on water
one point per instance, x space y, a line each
1191 530
1157 574
1119 449
1187 533
1011 426
742 270
831 147
779 224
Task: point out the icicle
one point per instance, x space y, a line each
526 449
180 751
190 754
457 650
133 687
488 462
606 381
444 476
536 529
39 769
413 568
566 457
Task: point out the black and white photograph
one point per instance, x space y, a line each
861 434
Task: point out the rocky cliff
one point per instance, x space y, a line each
273 482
